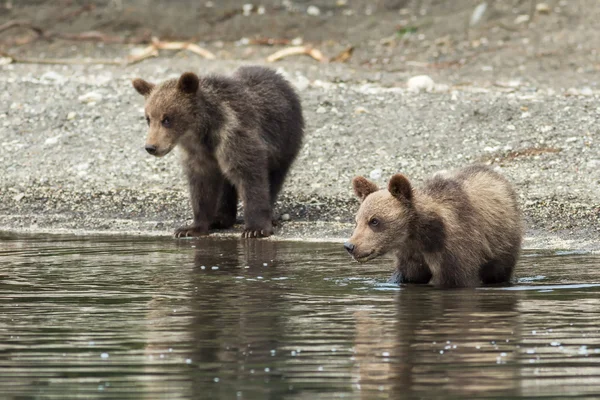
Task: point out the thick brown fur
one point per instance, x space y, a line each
460 229
239 137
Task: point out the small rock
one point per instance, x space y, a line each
593 164
510 127
82 166
478 12
542 8
546 128
19 197
360 110
297 41
420 83
247 9
375 174
321 110
521 19
90 98
285 217
571 139
71 115
313 10
301 83
52 141
52 76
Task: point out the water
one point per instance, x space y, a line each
95 318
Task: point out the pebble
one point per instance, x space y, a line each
420 83
521 19
71 115
90 97
301 82
313 10
247 9
321 110
478 12
542 8
375 174
52 141
285 217
52 76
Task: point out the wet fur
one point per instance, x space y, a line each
239 137
460 229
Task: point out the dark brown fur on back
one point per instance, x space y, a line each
460 229
239 137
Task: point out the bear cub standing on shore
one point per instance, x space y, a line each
239 137
460 230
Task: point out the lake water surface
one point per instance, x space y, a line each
131 318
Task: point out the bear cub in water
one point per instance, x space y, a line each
460 229
239 137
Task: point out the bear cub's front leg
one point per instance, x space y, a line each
204 191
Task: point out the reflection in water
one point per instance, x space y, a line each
439 342
160 319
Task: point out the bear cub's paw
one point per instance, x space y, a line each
250 233
191 231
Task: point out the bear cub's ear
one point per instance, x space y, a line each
363 187
143 87
188 83
400 187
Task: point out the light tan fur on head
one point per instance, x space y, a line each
170 110
382 221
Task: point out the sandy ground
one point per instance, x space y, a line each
523 97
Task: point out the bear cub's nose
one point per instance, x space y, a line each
150 149
349 247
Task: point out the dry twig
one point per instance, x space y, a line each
344 55
297 50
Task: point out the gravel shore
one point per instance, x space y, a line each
72 158
524 98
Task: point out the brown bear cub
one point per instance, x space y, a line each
239 137
460 229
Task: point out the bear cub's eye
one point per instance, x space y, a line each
373 222
148 120
166 122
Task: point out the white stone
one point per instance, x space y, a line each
521 19
420 83
52 76
375 174
52 141
301 82
90 97
247 9
313 10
